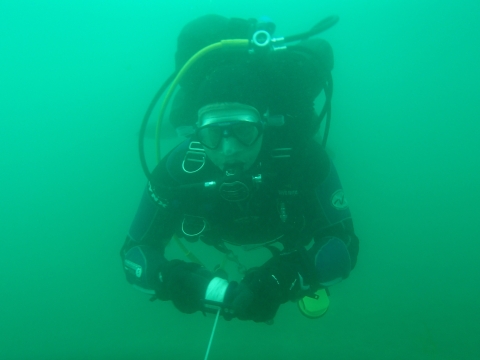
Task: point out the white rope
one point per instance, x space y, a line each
213 332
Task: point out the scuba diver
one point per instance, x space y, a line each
250 173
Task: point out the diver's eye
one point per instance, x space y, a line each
210 136
245 132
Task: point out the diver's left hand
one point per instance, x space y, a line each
258 296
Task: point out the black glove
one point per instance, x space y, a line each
261 292
184 284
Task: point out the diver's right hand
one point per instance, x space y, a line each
185 284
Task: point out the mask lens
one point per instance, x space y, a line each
245 132
210 136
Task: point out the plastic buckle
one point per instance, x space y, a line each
194 159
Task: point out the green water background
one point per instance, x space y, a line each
75 80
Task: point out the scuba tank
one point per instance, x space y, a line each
252 40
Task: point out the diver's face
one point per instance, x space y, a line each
231 135
232 156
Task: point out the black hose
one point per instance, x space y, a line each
327 109
325 24
143 127
317 29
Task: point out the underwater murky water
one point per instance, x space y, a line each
76 79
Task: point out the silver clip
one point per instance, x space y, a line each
278 44
281 153
257 179
283 212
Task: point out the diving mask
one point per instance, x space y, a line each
217 121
